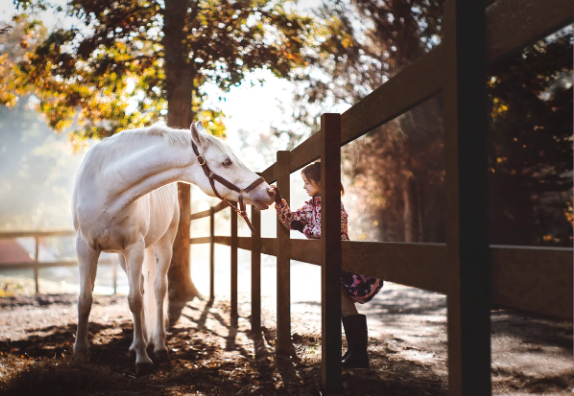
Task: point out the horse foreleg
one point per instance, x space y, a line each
88 260
135 257
163 253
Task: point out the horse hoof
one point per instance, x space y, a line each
143 369
160 356
81 350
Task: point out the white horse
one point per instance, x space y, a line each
125 201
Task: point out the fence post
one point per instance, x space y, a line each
256 273
331 252
37 260
115 273
466 147
283 261
212 253
233 267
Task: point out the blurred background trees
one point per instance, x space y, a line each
108 71
160 53
397 170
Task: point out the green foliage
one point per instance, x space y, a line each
115 55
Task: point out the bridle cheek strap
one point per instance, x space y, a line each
213 177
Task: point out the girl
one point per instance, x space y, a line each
354 287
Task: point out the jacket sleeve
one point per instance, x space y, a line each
286 216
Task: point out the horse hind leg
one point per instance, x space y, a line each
88 263
135 258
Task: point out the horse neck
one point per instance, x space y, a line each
148 166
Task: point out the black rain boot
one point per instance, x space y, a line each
357 338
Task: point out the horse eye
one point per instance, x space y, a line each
226 163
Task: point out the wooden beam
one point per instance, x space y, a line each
40 233
199 240
306 152
533 279
412 86
268 246
37 260
331 368
256 273
514 24
48 264
466 155
282 249
220 206
234 263
212 253
269 174
516 271
200 215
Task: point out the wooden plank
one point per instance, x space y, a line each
220 206
47 264
199 240
256 274
212 253
466 149
39 233
514 24
305 153
268 246
37 260
282 249
423 265
269 174
115 275
331 369
533 279
234 314
200 215
412 86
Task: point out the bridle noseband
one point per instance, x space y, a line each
213 177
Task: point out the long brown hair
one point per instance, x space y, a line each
313 172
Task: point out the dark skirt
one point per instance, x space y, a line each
359 287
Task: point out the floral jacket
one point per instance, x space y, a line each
359 287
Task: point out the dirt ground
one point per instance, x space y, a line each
208 356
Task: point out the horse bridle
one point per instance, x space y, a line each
214 176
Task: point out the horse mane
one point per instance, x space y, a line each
173 137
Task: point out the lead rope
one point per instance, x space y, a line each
212 177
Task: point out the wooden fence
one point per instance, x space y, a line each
36 264
473 274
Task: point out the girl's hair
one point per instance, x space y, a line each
313 172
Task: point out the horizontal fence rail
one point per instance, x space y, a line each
534 279
36 265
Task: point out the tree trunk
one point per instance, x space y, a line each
179 86
420 211
408 217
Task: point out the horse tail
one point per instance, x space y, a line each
149 301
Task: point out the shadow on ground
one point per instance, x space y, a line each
209 355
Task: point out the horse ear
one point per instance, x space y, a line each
196 135
201 128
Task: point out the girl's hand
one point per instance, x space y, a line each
274 190
297 225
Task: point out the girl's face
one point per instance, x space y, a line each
310 186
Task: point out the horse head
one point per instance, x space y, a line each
225 174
